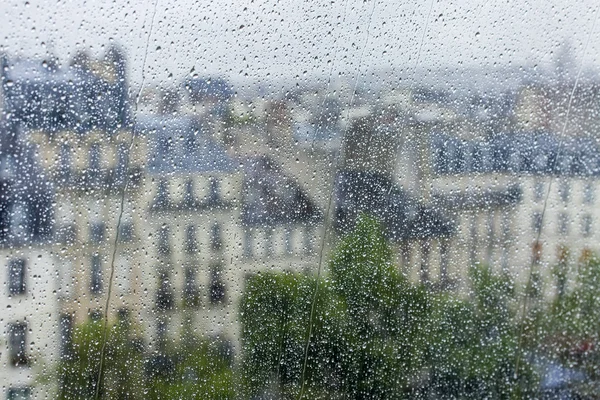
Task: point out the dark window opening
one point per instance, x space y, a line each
216 242
189 199
191 292
217 287
17 344
164 295
96 275
564 191
164 242
162 195
191 243
97 232
588 193
19 393
214 194
537 222
126 232
16 276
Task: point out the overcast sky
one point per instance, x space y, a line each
258 40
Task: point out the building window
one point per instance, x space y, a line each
588 193
96 275
16 276
97 230
563 223
537 222
217 287
17 344
189 200
164 295
564 190
214 193
164 245
162 195
215 237
586 225
123 315
191 244
20 393
538 191
126 232
66 336
191 293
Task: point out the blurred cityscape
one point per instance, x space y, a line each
170 201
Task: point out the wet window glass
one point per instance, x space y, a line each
299 200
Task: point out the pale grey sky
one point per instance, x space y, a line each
250 40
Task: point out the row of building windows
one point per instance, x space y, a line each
96 233
564 192
563 223
165 295
94 164
266 241
190 245
163 196
17 267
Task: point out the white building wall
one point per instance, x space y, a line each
38 308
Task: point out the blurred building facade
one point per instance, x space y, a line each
180 203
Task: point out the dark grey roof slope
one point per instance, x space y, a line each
403 216
272 198
26 196
39 94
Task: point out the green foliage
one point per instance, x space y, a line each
571 325
200 370
376 335
122 376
